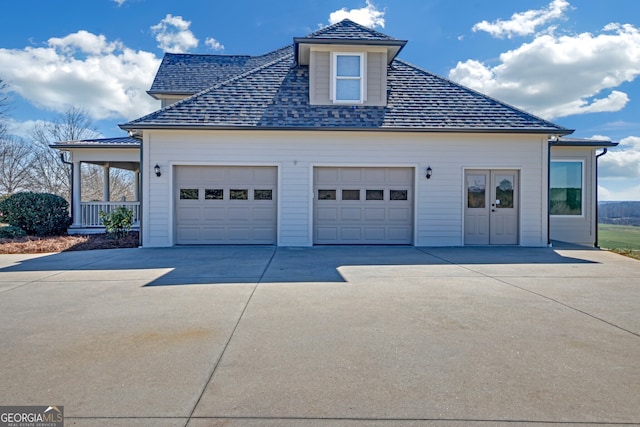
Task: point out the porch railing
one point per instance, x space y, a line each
90 212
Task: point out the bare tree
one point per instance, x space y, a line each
120 183
50 173
16 158
4 105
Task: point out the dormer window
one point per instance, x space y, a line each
348 78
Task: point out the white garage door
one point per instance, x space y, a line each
225 205
363 205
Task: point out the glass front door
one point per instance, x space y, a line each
491 207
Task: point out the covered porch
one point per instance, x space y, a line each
112 157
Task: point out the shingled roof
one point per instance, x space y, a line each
186 74
347 30
272 92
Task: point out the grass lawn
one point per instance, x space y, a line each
623 239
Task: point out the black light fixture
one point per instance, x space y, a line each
429 172
156 169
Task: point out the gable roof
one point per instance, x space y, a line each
272 92
346 32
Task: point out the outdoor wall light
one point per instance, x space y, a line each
429 172
156 169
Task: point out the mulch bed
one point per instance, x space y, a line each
78 242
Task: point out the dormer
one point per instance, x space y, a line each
347 64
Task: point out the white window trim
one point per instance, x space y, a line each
334 77
583 179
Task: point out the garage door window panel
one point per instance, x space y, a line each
326 194
375 194
236 194
350 194
213 194
189 194
262 194
398 194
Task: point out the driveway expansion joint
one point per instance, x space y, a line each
226 345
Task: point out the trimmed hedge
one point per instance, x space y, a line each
38 214
9 232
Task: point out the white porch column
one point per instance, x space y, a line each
105 183
77 194
136 186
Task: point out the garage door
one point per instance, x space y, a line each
363 205
225 205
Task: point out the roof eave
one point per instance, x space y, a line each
594 143
69 146
156 93
366 42
399 44
555 132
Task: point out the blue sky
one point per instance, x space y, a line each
575 62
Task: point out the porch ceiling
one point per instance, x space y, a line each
130 166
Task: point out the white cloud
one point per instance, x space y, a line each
84 70
523 23
556 76
630 142
85 42
22 129
619 171
604 194
173 34
369 16
623 163
600 138
120 2
214 44
626 194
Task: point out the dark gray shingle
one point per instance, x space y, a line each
348 30
191 73
272 91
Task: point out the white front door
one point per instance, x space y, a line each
491 207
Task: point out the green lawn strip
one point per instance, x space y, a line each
620 239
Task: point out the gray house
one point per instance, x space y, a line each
335 140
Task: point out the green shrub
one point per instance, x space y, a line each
9 232
118 222
38 214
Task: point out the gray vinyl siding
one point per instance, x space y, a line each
438 202
320 78
376 79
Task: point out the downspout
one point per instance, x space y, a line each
140 195
70 186
551 143
595 244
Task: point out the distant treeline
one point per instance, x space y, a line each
620 213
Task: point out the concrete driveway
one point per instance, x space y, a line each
323 336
